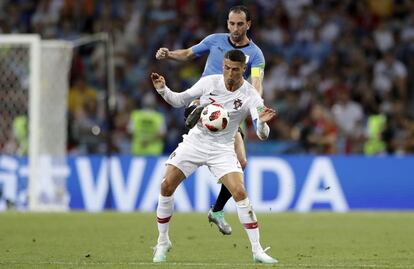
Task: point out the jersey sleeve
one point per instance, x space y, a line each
204 46
258 64
179 99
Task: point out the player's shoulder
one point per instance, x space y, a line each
221 35
255 48
254 45
250 90
250 96
214 78
218 36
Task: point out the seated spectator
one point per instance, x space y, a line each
319 133
390 76
348 116
147 127
79 94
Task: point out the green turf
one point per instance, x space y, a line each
115 240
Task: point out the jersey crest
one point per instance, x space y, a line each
237 104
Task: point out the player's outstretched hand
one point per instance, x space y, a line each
162 53
158 81
266 114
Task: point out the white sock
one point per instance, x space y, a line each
248 219
164 212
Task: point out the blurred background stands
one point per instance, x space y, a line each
339 72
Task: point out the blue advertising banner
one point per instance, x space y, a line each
297 183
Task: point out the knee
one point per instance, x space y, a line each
239 194
167 189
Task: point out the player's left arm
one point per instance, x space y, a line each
257 72
260 116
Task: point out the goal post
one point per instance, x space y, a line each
48 129
34 84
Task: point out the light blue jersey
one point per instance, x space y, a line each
218 44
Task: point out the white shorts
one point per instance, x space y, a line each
188 158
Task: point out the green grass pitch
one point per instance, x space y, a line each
120 240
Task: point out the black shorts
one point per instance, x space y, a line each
188 111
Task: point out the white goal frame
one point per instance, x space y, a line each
33 43
46 168
36 166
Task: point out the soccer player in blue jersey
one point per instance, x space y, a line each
216 45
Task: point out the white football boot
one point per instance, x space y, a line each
260 256
160 251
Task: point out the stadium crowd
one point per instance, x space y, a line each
338 71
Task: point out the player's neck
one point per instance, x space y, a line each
241 43
234 87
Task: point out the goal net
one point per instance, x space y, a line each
34 77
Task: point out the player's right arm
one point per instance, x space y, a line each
186 54
178 55
176 99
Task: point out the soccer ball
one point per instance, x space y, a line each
214 117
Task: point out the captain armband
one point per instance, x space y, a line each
257 71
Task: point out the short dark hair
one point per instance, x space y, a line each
238 9
235 56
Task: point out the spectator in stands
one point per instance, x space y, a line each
147 127
390 77
79 94
89 129
21 134
319 134
375 143
399 130
369 44
349 117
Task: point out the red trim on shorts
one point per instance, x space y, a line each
163 220
252 225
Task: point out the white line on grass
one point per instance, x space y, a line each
294 265
192 264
